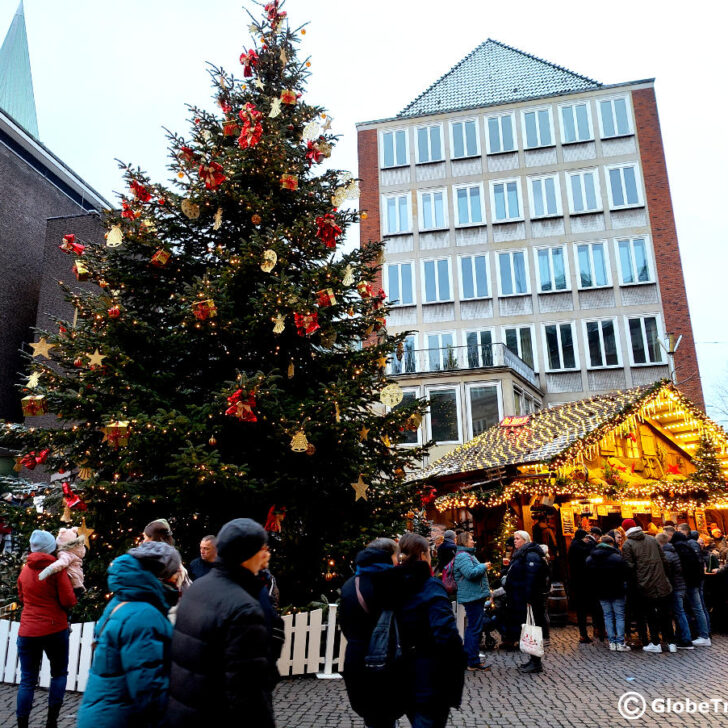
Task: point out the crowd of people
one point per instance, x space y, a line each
216 661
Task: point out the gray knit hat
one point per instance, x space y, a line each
42 541
158 557
449 534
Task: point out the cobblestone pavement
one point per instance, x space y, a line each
580 687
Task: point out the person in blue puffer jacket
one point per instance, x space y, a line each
473 589
129 678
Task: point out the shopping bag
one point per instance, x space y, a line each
531 636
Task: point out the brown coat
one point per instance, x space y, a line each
647 563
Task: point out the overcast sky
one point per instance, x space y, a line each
109 75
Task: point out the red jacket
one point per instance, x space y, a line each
44 602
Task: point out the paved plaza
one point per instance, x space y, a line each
580 687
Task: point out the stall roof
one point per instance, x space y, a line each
560 433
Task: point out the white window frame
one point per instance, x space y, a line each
534 343
660 337
587 349
499 118
391 359
607 264
426 350
559 324
461 279
458 397
399 264
628 109
510 253
416 392
456 212
429 127
590 125
464 349
648 258
536 110
382 132
597 191
468 120
637 181
468 403
437 281
537 268
421 209
385 216
519 196
532 197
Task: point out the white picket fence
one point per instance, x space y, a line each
312 646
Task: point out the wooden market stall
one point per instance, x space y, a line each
646 453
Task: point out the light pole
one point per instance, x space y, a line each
672 341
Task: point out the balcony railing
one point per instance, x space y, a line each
461 358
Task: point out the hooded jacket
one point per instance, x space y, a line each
446 553
647 564
129 676
470 576
607 573
674 567
526 583
227 638
691 561
579 552
45 603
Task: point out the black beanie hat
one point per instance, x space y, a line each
240 539
580 534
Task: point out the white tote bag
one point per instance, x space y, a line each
531 636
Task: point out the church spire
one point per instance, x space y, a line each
16 81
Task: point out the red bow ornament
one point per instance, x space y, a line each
212 175
252 130
71 499
31 459
327 230
274 15
69 245
306 323
248 60
139 191
241 406
188 155
126 211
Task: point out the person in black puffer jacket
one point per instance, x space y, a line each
227 638
692 569
525 584
607 576
362 599
581 595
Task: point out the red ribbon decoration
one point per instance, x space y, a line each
31 459
140 191
327 231
188 155
274 16
69 245
252 130
212 175
126 211
240 407
306 323
248 60
313 153
72 500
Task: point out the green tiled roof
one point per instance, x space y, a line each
16 82
492 74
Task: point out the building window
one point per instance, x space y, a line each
523 404
464 138
394 148
624 187
537 128
552 269
469 205
484 407
601 337
409 437
429 144
474 276
513 276
441 352
545 196
433 215
634 266
592 264
436 274
479 345
505 197
501 136
520 341
584 192
403 361
560 347
444 415
614 116
645 340
397 214
575 123
400 284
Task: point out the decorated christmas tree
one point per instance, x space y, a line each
707 467
230 359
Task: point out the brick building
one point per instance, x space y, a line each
35 185
530 240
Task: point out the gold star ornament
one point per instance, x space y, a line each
363 433
86 532
360 488
95 359
42 348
